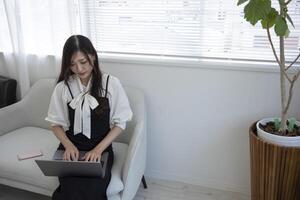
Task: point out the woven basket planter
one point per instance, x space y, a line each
275 170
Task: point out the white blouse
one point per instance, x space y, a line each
120 111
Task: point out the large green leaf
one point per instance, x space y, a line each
256 10
241 2
270 20
281 28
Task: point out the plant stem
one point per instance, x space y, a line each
289 1
282 69
290 96
272 45
291 91
293 62
283 125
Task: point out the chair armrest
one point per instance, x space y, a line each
135 163
31 110
12 117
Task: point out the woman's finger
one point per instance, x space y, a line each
87 157
66 156
72 155
92 157
95 158
76 155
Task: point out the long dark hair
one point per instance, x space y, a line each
81 43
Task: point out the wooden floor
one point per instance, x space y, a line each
157 190
169 190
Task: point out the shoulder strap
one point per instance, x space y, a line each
106 86
70 90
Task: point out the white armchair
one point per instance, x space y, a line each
22 127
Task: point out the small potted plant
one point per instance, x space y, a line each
275 142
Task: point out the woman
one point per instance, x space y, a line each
87 111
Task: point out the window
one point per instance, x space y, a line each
182 28
213 29
5 44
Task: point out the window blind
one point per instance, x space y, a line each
182 28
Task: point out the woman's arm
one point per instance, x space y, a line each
71 152
95 154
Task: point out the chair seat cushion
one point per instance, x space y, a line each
27 171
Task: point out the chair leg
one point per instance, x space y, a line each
144 182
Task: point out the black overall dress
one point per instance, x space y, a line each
88 188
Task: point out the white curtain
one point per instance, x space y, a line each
32 36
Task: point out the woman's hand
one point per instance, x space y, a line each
71 153
94 155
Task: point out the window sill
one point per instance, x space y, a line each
218 64
200 63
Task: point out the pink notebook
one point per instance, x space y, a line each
29 154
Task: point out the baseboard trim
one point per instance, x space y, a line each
203 182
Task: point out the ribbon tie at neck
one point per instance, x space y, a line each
82 119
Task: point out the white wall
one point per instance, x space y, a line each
198 119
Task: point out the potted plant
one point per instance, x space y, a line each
277 130
275 142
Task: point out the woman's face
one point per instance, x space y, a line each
80 65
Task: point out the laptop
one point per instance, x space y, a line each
61 168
